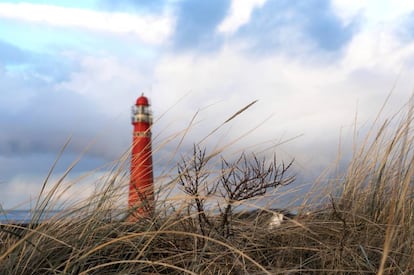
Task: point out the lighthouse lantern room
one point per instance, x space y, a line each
141 111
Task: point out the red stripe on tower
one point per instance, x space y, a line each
141 188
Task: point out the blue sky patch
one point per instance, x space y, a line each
147 6
197 23
82 4
271 26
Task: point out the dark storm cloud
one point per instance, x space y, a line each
36 118
313 19
45 124
40 164
197 22
32 137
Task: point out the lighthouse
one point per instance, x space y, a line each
141 188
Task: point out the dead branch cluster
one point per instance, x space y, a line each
245 178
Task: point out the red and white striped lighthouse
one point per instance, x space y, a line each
141 188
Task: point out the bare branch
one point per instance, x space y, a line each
245 178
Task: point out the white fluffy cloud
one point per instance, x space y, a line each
150 29
373 11
240 12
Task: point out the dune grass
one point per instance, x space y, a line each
366 225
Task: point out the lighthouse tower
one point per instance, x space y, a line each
141 188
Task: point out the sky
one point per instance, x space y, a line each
320 70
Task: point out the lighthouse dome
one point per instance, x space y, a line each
142 101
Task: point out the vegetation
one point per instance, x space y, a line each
366 225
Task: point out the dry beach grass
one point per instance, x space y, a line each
366 225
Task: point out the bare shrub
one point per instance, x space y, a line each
243 179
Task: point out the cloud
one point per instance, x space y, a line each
149 28
34 107
288 26
10 54
240 12
316 99
49 119
197 22
16 62
42 43
110 82
347 10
